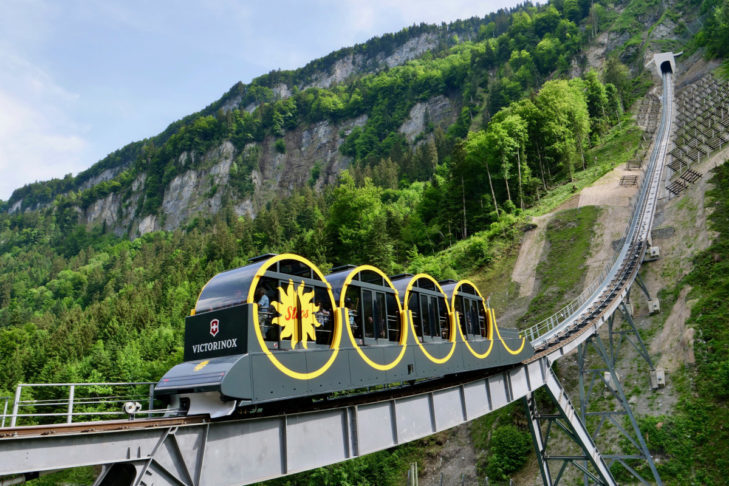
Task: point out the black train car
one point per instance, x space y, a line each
279 329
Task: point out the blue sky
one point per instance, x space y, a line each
82 78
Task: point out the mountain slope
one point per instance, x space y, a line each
358 106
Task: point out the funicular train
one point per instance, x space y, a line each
278 329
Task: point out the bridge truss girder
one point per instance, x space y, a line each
604 372
565 420
252 450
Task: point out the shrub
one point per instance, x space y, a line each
280 146
508 452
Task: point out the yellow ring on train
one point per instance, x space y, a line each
451 334
403 326
489 333
336 338
507 348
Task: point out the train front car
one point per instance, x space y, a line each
260 333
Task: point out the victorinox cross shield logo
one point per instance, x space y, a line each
214 327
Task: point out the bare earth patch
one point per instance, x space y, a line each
530 252
674 342
455 461
615 201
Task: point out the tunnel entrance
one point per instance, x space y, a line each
666 67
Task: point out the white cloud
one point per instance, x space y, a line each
37 139
365 16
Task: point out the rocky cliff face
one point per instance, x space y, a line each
438 111
358 64
349 65
116 211
309 155
203 188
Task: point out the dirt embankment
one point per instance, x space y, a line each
607 193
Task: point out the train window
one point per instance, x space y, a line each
393 318
429 307
417 321
434 317
380 313
425 315
224 290
295 267
467 289
374 312
473 326
445 327
368 314
483 321
371 277
459 310
351 302
324 316
267 292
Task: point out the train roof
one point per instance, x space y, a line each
236 286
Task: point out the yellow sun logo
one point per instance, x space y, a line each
296 314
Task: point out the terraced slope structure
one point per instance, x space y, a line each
702 127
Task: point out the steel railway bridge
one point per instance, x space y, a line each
195 450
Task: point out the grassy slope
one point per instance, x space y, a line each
562 271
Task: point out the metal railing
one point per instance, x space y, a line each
539 333
554 321
5 402
70 402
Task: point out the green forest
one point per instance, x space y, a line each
79 304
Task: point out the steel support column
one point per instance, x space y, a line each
631 335
642 286
621 412
563 419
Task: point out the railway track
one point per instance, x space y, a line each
625 268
